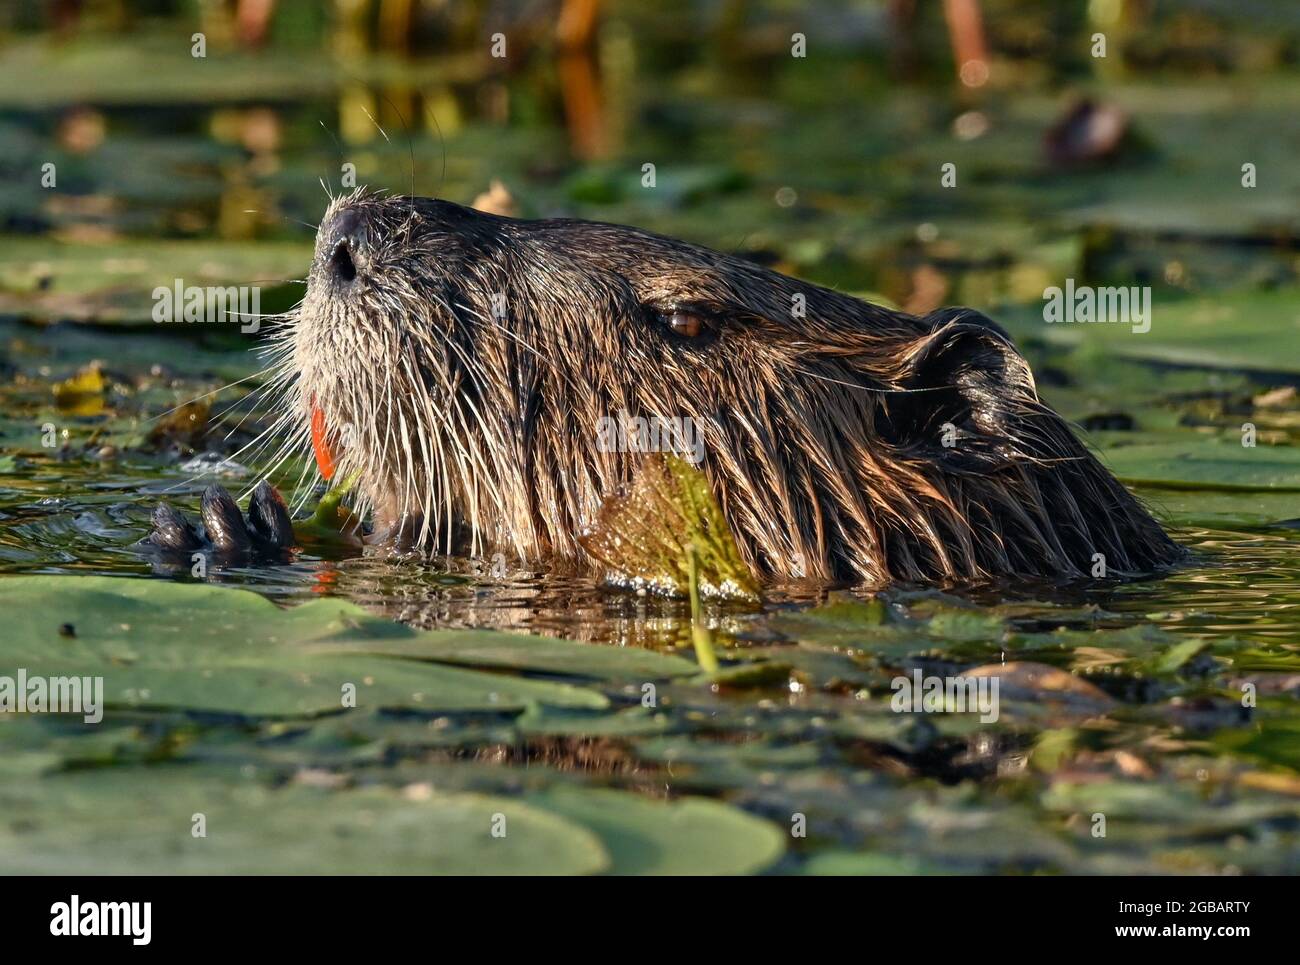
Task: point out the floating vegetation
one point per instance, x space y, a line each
666 534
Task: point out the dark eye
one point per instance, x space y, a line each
685 324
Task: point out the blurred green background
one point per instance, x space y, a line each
826 164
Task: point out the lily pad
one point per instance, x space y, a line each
1179 809
115 283
142 822
515 651
1234 331
857 863
161 644
694 836
1234 509
1195 463
633 722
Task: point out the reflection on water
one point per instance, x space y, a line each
1244 584
1239 583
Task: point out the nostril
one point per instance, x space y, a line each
341 263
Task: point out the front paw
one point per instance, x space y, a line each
267 533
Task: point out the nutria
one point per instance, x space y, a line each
460 364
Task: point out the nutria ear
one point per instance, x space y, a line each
965 386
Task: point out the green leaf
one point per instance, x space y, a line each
632 722
1234 509
644 534
1162 807
693 836
1173 659
1195 463
160 644
1272 741
859 863
870 628
1234 331
515 651
132 821
744 676
115 283
288 686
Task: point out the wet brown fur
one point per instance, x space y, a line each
823 434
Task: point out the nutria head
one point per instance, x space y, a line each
464 364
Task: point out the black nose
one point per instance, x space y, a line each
347 234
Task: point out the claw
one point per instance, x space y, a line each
172 531
267 536
268 517
224 522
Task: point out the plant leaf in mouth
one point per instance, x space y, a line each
664 523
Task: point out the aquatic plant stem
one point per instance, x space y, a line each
700 635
